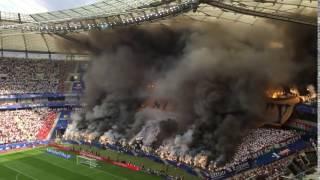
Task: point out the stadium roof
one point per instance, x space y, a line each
39 32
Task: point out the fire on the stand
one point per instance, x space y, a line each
278 93
275 93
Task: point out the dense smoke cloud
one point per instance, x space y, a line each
304 45
214 75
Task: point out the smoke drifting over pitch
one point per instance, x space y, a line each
214 75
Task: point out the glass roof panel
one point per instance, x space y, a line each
21 39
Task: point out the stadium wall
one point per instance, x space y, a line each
21 145
41 105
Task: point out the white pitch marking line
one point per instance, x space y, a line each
118 177
14 169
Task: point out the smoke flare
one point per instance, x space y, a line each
214 75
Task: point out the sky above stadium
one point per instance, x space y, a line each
36 6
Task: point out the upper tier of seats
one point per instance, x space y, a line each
33 76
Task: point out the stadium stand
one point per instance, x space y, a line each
47 79
47 125
260 139
25 125
270 171
257 142
258 149
33 76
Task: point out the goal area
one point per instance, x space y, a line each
92 163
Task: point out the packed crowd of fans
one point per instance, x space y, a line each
33 76
255 143
259 139
269 172
24 125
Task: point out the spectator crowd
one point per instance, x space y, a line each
33 76
42 76
25 125
257 141
268 172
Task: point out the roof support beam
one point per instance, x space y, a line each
42 52
1 45
75 12
47 45
104 2
67 15
19 18
258 14
94 5
25 44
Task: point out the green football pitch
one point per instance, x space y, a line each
37 164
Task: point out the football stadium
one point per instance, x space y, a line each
158 89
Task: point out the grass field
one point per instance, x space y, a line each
36 164
115 155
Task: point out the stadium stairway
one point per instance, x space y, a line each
47 129
53 126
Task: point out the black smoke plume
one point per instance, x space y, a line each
216 76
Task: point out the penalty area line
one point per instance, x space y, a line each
105 172
16 170
96 169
